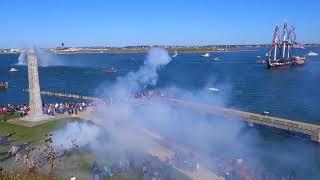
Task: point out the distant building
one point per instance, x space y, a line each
14 50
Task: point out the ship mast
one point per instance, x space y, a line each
284 40
291 39
275 42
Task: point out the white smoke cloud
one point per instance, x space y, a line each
125 122
22 60
146 76
84 134
77 133
210 135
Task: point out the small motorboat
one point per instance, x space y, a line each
111 71
3 85
216 59
259 57
13 70
261 61
205 55
299 60
312 54
214 89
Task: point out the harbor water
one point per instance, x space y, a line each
246 85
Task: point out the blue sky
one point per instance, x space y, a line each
172 22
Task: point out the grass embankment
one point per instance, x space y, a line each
23 134
78 164
34 134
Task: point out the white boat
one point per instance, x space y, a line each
216 59
312 54
175 53
214 89
302 58
259 57
13 70
206 55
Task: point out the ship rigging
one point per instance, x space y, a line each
280 53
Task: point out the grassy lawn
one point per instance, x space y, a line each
78 164
34 134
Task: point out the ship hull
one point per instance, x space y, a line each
284 63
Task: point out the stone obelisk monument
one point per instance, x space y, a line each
35 102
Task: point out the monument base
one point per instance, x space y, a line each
37 118
34 120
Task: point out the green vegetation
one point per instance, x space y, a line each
34 134
21 174
74 163
4 118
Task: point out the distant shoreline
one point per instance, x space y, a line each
10 52
139 51
183 51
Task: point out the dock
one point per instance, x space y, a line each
309 130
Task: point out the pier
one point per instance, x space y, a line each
66 95
252 119
291 126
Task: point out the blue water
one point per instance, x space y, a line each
292 93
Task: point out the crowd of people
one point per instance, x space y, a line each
49 109
11 109
67 107
152 168
185 161
239 169
75 107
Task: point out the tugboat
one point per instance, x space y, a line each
280 55
111 71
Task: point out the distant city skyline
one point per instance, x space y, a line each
142 22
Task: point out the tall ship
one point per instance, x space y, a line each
280 54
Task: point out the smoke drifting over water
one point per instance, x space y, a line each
146 76
214 137
22 60
45 59
184 126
